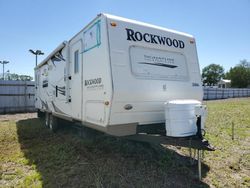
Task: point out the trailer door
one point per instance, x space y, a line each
75 86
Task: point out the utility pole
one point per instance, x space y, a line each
36 53
4 62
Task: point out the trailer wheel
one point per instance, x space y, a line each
53 123
40 114
47 119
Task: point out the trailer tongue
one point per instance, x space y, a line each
184 127
194 142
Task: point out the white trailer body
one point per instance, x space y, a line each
116 74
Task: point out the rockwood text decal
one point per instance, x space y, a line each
95 83
154 39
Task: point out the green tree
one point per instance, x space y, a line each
25 77
240 74
244 63
212 74
14 76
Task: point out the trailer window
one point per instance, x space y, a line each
92 36
158 64
76 61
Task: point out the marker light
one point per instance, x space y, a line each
192 41
113 24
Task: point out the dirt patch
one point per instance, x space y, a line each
17 117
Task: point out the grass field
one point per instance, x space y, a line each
32 156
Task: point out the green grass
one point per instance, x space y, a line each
230 163
32 156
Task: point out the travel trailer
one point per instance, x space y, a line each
117 75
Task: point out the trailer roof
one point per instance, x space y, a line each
109 16
145 24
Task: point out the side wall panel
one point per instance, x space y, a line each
90 89
51 81
97 84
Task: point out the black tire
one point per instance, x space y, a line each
53 123
47 119
40 114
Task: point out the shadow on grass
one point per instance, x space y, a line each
63 159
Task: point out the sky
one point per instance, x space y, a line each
221 27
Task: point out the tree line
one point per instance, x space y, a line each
14 76
239 74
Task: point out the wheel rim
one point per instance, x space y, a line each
47 120
51 123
